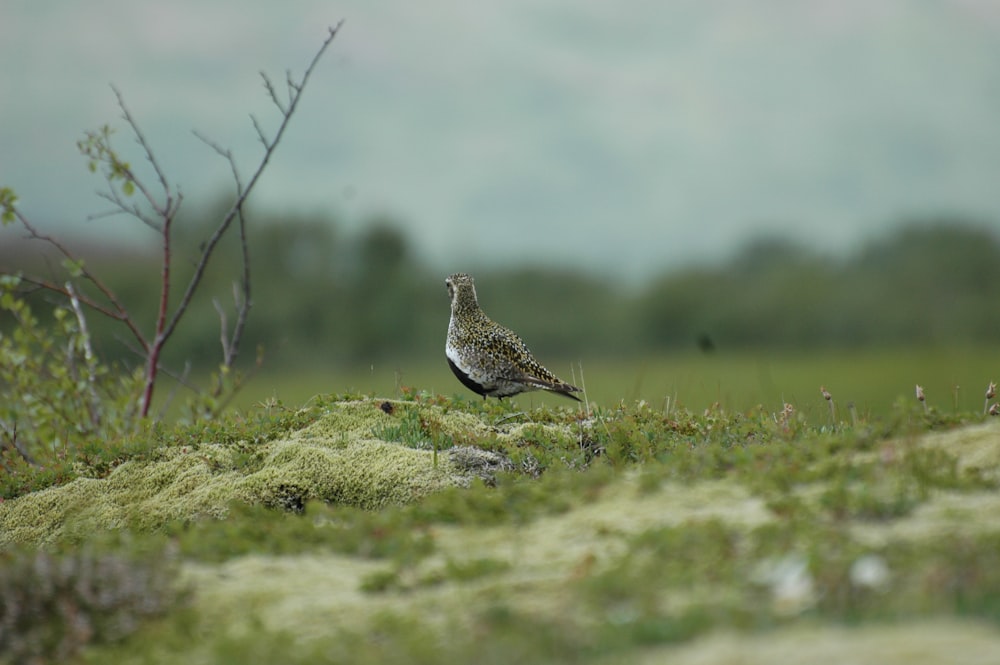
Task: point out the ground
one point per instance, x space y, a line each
429 530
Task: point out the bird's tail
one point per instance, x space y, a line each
558 387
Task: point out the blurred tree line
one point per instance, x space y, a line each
324 297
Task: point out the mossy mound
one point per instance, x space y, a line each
338 459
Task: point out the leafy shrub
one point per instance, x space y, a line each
55 394
52 605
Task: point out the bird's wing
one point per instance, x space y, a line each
522 366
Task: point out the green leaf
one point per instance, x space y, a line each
75 268
7 200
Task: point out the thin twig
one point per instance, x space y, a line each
273 94
179 381
238 384
94 402
116 310
167 209
234 210
231 345
11 442
241 298
124 208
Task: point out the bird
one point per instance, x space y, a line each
489 359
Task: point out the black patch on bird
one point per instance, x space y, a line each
466 379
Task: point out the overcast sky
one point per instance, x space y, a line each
629 137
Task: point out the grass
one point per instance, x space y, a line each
635 532
954 380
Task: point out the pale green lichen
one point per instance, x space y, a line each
306 593
945 515
976 447
303 595
335 459
918 643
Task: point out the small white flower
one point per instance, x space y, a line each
870 571
791 584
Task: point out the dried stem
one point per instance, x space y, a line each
829 398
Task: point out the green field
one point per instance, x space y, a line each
874 380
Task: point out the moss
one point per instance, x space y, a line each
334 459
364 473
368 418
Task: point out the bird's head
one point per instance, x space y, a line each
462 292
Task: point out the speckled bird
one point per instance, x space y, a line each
487 358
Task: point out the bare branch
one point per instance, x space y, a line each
241 299
237 206
245 302
105 213
124 208
47 285
159 338
273 93
231 395
167 209
116 310
260 132
225 153
292 87
179 381
231 345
